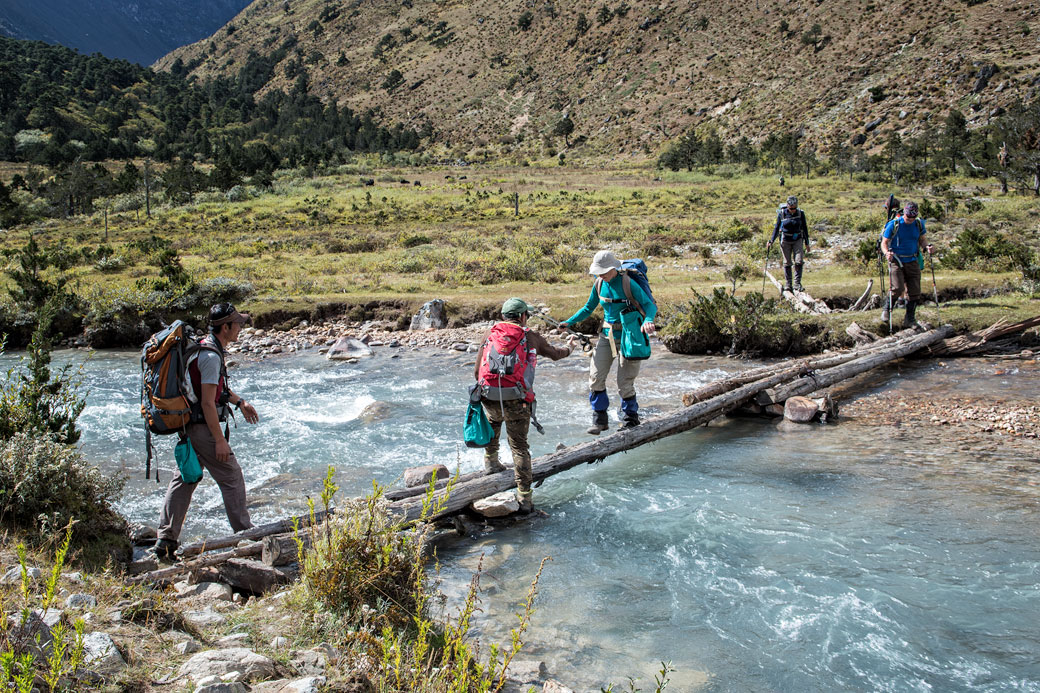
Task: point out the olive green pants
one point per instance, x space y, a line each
516 415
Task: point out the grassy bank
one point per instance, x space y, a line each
384 240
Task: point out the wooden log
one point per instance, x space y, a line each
463 494
860 335
253 534
249 575
801 300
826 378
167 574
719 387
410 491
282 549
977 341
862 300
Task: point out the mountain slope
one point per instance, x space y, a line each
631 78
140 32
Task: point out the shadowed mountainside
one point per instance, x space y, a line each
140 32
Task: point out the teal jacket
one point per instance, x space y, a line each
612 311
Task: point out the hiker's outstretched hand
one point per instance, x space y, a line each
249 412
649 328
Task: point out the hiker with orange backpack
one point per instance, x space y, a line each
628 322
210 399
504 373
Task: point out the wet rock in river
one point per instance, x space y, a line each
800 409
347 348
498 505
376 411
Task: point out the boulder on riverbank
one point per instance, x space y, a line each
432 316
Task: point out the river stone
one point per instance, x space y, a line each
787 426
80 601
800 409
36 627
431 316
234 687
527 671
554 686
347 348
310 684
100 652
249 665
420 476
14 575
376 411
312 662
498 505
187 647
204 591
142 534
204 618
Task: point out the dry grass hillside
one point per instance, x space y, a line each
499 74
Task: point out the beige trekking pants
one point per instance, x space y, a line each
599 368
228 476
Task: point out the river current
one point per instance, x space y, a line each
848 557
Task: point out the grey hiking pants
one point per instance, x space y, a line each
228 476
793 251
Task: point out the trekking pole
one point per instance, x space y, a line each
586 343
890 305
769 247
935 291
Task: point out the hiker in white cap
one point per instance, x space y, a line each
625 295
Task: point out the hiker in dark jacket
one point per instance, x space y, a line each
902 242
213 397
793 231
513 406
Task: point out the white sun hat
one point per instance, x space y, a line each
603 262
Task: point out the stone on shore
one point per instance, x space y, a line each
204 591
432 316
14 575
420 476
800 409
101 654
244 663
80 601
498 505
527 671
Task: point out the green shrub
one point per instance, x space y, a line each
45 484
986 250
410 240
863 258
33 402
719 322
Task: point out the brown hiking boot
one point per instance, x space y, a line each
526 501
599 423
493 466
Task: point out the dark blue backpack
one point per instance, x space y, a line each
633 270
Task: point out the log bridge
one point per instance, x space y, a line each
264 557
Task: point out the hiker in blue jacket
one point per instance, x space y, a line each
793 231
902 242
609 290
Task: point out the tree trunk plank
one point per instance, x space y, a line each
463 494
253 534
825 378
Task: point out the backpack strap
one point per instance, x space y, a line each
626 284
